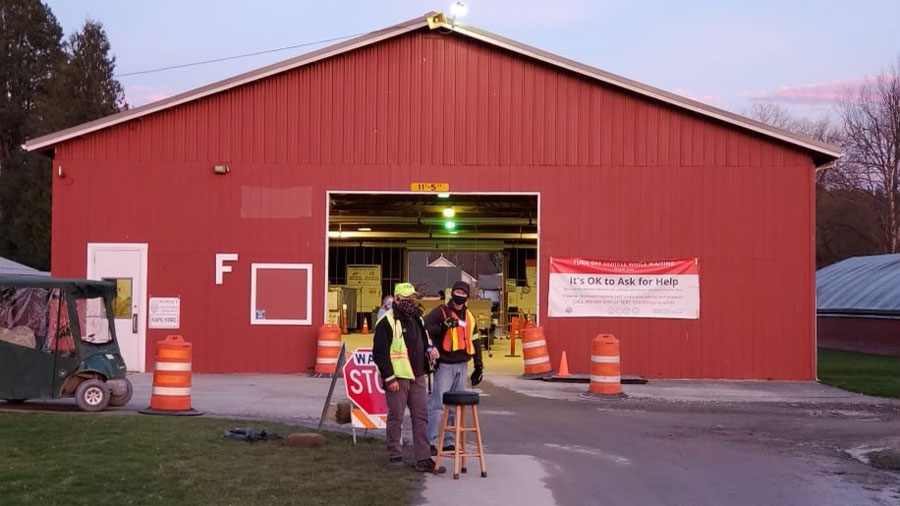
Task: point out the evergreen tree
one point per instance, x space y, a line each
49 85
85 84
30 53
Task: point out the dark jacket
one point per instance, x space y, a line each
434 322
416 344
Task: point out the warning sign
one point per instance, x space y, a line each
658 289
363 386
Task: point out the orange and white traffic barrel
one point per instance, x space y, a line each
606 375
535 352
171 394
328 348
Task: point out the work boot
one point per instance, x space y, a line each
395 462
428 466
446 448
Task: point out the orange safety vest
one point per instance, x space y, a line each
459 338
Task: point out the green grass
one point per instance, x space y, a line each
885 459
860 372
73 459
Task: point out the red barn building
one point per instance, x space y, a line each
219 209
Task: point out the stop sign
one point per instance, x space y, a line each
363 383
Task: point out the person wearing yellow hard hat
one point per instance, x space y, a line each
401 350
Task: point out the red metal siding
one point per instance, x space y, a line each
620 177
862 334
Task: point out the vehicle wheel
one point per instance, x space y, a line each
121 400
92 395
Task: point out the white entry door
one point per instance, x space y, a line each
126 264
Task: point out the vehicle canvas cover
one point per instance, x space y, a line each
35 331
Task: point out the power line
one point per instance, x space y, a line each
204 62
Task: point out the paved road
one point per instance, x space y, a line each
670 444
675 453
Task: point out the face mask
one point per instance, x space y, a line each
405 306
459 300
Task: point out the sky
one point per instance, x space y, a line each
800 54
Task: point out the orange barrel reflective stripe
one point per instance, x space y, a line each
328 348
172 375
535 352
606 376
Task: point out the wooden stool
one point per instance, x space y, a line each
459 400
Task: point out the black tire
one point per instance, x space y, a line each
92 395
121 400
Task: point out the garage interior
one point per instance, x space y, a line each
433 240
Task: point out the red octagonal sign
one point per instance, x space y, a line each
363 383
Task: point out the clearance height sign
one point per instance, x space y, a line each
660 289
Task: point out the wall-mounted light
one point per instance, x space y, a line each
443 195
59 172
365 229
220 169
449 212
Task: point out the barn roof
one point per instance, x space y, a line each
868 285
822 153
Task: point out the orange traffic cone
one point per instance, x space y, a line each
563 366
344 324
365 329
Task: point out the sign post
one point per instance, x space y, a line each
363 384
341 359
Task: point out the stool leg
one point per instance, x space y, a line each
440 448
478 441
456 427
462 448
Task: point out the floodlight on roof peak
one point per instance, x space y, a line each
458 10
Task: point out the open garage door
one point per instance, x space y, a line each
490 241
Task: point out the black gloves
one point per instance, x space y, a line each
477 375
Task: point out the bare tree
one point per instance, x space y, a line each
846 219
872 131
823 129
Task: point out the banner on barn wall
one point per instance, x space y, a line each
658 289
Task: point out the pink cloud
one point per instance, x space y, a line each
140 94
706 98
153 97
815 93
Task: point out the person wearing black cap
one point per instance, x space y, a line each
452 328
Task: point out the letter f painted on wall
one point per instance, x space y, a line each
221 268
